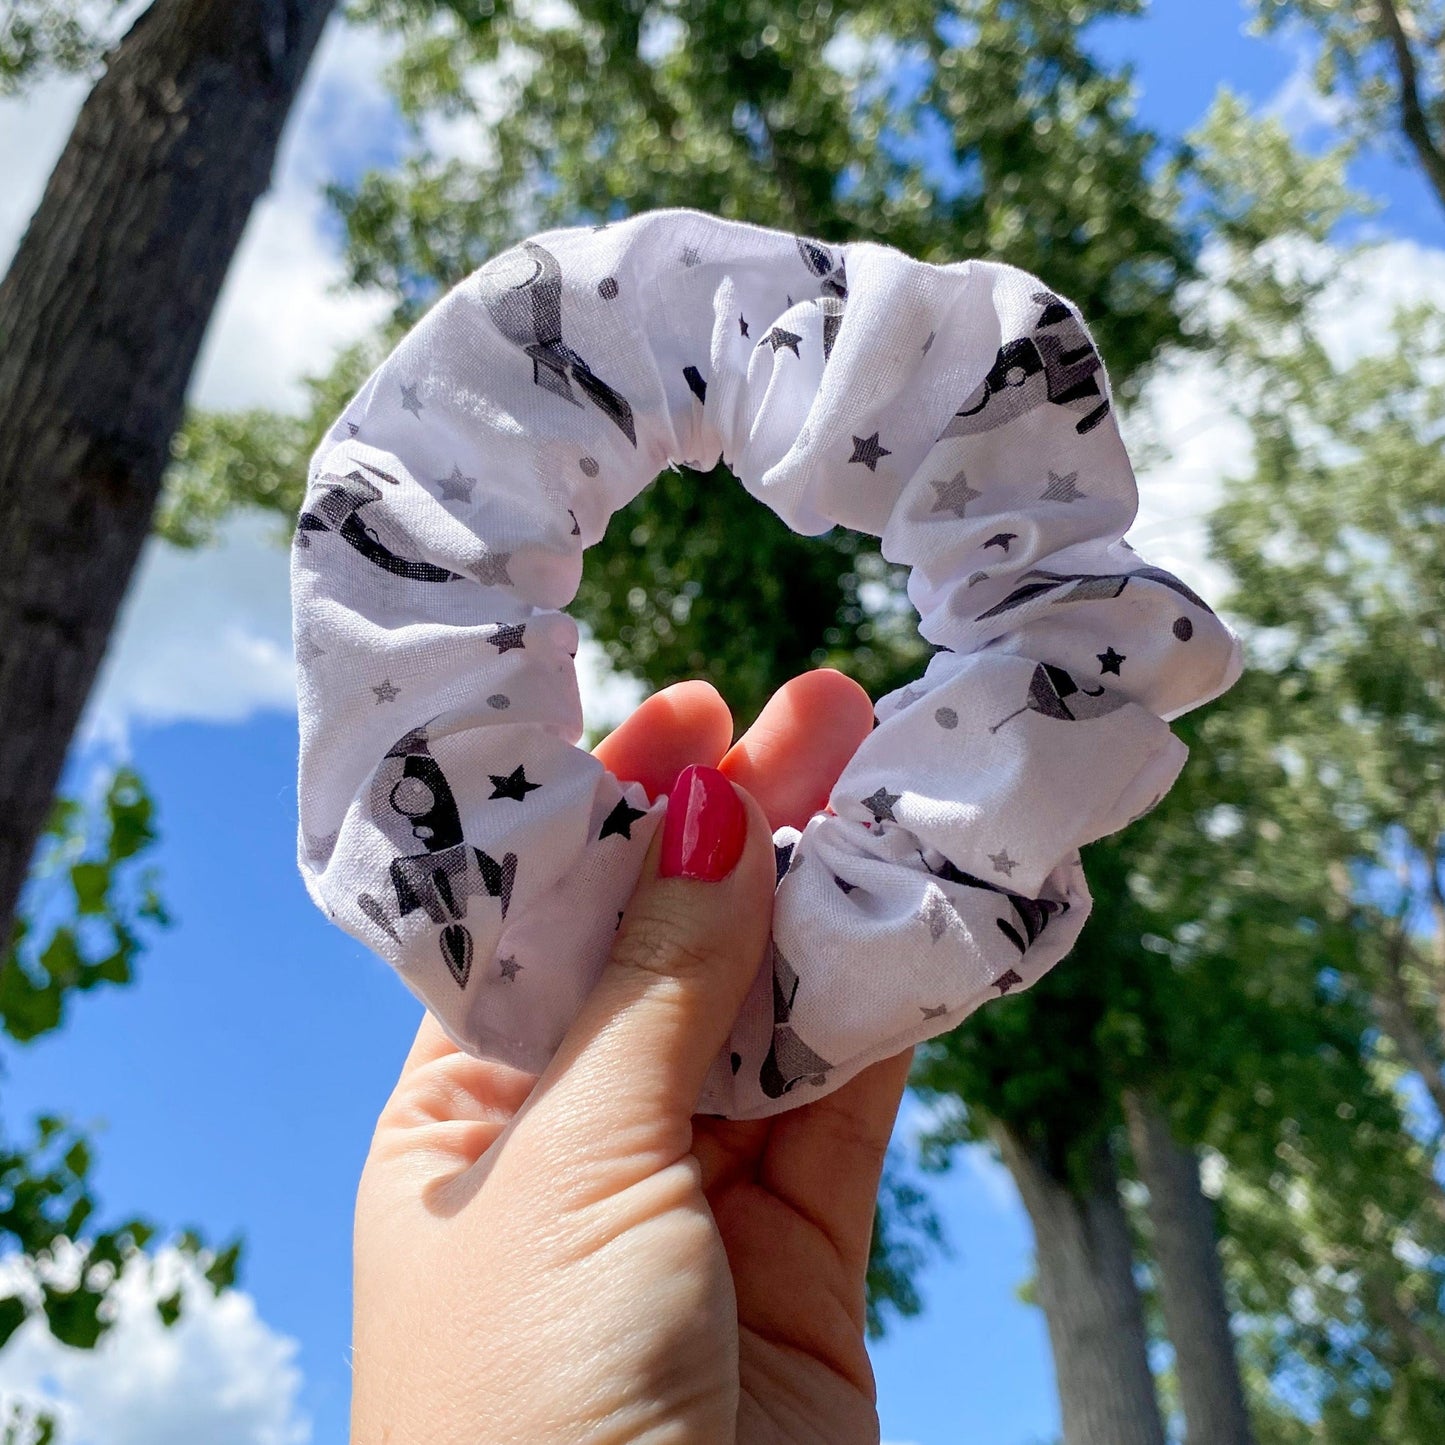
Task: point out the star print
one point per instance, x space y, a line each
491 571
933 1013
910 695
352 428
867 451
504 639
620 820
514 785
929 342
936 912
880 804
576 530
789 306
778 337
1109 661
409 400
1062 489
510 967
1002 863
307 651
1001 539
456 488
377 472
954 495
977 578
1006 981
385 692
743 324
843 883
690 256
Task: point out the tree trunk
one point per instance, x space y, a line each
1191 1281
101 316
1086 1285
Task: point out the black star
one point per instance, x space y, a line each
620 820
1109 661
457 488
1001 539
505 638
929 342
409 400
695 384
1006 981
743 324
513 785
880 804
576 530
1062 489
510 967
779 337
844 885
867 451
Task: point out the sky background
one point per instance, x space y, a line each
235 1087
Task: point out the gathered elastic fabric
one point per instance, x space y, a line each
959 413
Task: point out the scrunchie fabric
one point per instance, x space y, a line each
961 413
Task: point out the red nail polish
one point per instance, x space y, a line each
705 827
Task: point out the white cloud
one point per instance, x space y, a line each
1299 105
219 1375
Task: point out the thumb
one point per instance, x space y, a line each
629 1072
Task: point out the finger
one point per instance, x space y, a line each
826 1158
626 1080
685 723
791 756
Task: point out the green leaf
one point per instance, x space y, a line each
13 1314
169 1308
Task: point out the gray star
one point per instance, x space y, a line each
933 1013
690 256
456 488
954 495
936 912
1062 489
504 639
307 651
867 451
910 695
779 337
1002 863
1006 981
385 692
409 400
743 324
491 570
977 578
880 804
927 344
510 967
321 847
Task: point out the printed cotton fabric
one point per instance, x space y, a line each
960 413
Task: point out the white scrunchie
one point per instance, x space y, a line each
961 413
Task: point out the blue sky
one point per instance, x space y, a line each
235 1087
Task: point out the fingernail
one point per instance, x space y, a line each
705 828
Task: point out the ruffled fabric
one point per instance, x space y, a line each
960 413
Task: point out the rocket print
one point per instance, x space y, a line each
1086 587
1031 914
1055 364
338 508
522 291
1051 686
818 258
413 802
789 1060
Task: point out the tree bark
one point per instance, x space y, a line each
1191 1281
102 314
1414 121
1086 1286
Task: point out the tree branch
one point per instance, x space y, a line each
1414 121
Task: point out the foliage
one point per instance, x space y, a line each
39 38
906 1233
89 903
1380 62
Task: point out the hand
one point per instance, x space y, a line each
577 1258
